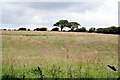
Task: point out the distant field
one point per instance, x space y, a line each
58 54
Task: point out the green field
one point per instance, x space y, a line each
59 55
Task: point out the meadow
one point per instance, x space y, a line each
35 54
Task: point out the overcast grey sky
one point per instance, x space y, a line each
101 13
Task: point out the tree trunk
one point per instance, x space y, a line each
72 29
62 28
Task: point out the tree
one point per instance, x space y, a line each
109 30
61 24
73 25
92 29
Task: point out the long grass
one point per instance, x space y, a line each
59 56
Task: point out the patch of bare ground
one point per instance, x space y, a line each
53 32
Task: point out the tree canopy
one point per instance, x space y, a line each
61 24
73 25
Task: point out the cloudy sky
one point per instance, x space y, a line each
101 13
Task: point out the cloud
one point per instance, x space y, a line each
88 14
49 0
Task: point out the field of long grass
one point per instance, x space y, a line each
56 55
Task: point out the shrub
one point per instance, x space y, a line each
100 30
37 29
29 30
14 30
113 30
83 29
9 29
43 29
55 29
4 29
118 31
40 29
109 30
92 29
22 29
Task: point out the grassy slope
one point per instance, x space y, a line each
78 56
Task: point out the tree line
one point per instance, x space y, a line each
74 28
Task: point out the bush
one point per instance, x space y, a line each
43 29
22 29
29 30
109 30
40 29
9 29
113 30
4 29
14 29
92 29
55 29
118 31
37 29
100 30
83 29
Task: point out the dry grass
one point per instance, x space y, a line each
61 50
52 32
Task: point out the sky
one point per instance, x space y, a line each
35 14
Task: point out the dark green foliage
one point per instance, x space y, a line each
37 29
55 29
22 29
73 25
29 30
109 30
114 30
43 29
100 30
92 29
8 76
14 30
65 23
12 75
118 31
61 24
83 29
4 29
40 29
77 30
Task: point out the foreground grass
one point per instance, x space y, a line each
59 55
